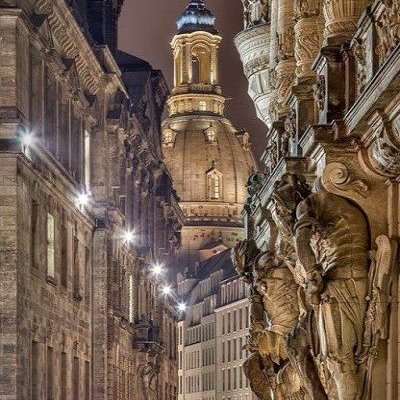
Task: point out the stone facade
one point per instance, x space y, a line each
321 255
86 207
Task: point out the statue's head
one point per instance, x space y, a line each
288 193
243 256
264 262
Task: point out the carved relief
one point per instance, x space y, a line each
285 44
385 150
341 17
388 26
306 9
255 12
320 92
307 46
360 54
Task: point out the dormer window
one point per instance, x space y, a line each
168 137
211 135
214 185
202 105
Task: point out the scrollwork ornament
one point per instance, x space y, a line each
337 175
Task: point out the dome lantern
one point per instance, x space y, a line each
196 17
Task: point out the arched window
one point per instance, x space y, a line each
202 105
214 185
195 69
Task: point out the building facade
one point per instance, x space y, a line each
322 222
86 208
212 337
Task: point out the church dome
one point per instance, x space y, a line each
201 151
196 18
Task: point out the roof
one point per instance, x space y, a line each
128 62
221 261
196 18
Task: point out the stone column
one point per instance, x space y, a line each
285 69
341 17
308 36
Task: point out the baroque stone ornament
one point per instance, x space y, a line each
385 150
320 92
324 300
388 26
339 177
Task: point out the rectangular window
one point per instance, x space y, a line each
50 245
87 275
64 254
87 160
76 272
49 373
35 242
75 379
87 380
35 371
63 376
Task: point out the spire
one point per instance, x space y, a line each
196 18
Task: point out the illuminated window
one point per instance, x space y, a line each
50 245
214 185
211 135
87 161
202 105
168 137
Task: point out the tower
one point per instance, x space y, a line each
209 160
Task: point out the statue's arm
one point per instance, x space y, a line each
304 229
256 312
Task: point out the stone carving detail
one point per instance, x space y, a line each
285 44
388 26
360 53
316 344
339 177
341 17
320 92
256 12
385 151
149 372
307 46
306 9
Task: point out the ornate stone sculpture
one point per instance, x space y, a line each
326 310
273 293
255 12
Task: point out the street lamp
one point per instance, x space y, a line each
129 236
182 307
83 200
157 269
166 290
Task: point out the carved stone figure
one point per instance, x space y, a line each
331 238
255 12
273 294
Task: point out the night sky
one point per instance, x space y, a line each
146 30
